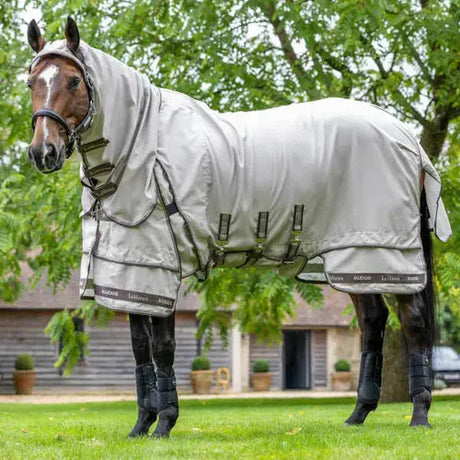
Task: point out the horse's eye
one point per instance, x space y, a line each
74 82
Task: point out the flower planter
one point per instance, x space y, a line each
201 381
261 381
341 381
24 382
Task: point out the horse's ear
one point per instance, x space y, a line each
72 35
36 41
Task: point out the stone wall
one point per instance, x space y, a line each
344 343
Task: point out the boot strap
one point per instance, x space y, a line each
167 394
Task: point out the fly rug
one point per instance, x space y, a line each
326 191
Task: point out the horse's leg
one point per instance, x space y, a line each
372 317
417 322
164 346
141 338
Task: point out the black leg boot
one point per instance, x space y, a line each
147 400
420 388
370 382
168 405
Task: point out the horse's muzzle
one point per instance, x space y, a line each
46 158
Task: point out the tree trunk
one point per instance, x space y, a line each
434 136
395 386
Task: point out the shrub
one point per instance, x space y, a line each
201 363
261 365
439 384
24 363
342 365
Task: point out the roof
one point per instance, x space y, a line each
329 315
42 298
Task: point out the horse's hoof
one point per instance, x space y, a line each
349 422
160 436
422 403
145 420
420 422
360 413
166 420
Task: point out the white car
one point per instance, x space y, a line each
446 365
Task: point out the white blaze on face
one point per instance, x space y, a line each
48 76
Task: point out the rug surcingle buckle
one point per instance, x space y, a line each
296 232
222 239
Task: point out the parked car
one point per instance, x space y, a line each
446 365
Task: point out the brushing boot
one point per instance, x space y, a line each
147 399
168 405
420 388
370 382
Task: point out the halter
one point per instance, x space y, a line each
72 134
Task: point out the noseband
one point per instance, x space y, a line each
72 134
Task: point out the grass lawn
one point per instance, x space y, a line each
230 429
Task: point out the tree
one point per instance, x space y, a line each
235 55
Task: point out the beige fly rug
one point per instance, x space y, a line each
328 191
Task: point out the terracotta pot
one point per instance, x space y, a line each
201 381
261 381
24 382
341 381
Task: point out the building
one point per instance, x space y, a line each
312 342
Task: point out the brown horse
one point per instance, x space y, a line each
61 97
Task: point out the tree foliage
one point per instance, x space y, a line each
259 301
235 55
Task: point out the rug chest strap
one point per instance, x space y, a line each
104 191
98 169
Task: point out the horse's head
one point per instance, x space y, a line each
60 100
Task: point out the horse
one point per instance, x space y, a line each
65 100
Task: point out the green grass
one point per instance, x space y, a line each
230 429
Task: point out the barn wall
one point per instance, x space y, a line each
23 333
110 362
187 348
319 358
344 343
272 353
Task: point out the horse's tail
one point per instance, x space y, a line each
428 294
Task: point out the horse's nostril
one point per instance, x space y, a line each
50 156
36 156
